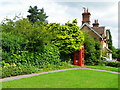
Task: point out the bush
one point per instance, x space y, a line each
12 52
8 71
12 44
92 51
49 55
112 64
21 46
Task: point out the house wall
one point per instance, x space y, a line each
91 33
95 36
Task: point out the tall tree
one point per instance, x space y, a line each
37 15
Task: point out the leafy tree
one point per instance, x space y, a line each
68 37
35 33
24 42
37 15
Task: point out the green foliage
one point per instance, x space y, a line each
11 44
115 53
24 28
68 37
92 51
37 15
49 55
112 64
118 53
109 40
13 70
8 71
26 44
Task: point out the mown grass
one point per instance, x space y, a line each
80 78
105 68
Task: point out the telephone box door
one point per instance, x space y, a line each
79 57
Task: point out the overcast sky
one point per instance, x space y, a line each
61 11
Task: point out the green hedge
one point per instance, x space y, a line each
48 54
18 70
112 64
8 71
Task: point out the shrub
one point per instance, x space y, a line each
11 44
20 45
49 55
8 71
112 64
92 51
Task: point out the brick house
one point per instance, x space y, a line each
97 32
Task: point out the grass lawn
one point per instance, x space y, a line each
67 79
105 68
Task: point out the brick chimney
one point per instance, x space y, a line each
95 24
86 16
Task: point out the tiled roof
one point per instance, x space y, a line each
92 30
100 31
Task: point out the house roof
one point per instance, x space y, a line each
100 31
86 24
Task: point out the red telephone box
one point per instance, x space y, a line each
79 57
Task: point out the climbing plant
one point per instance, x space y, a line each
109 40
92 50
